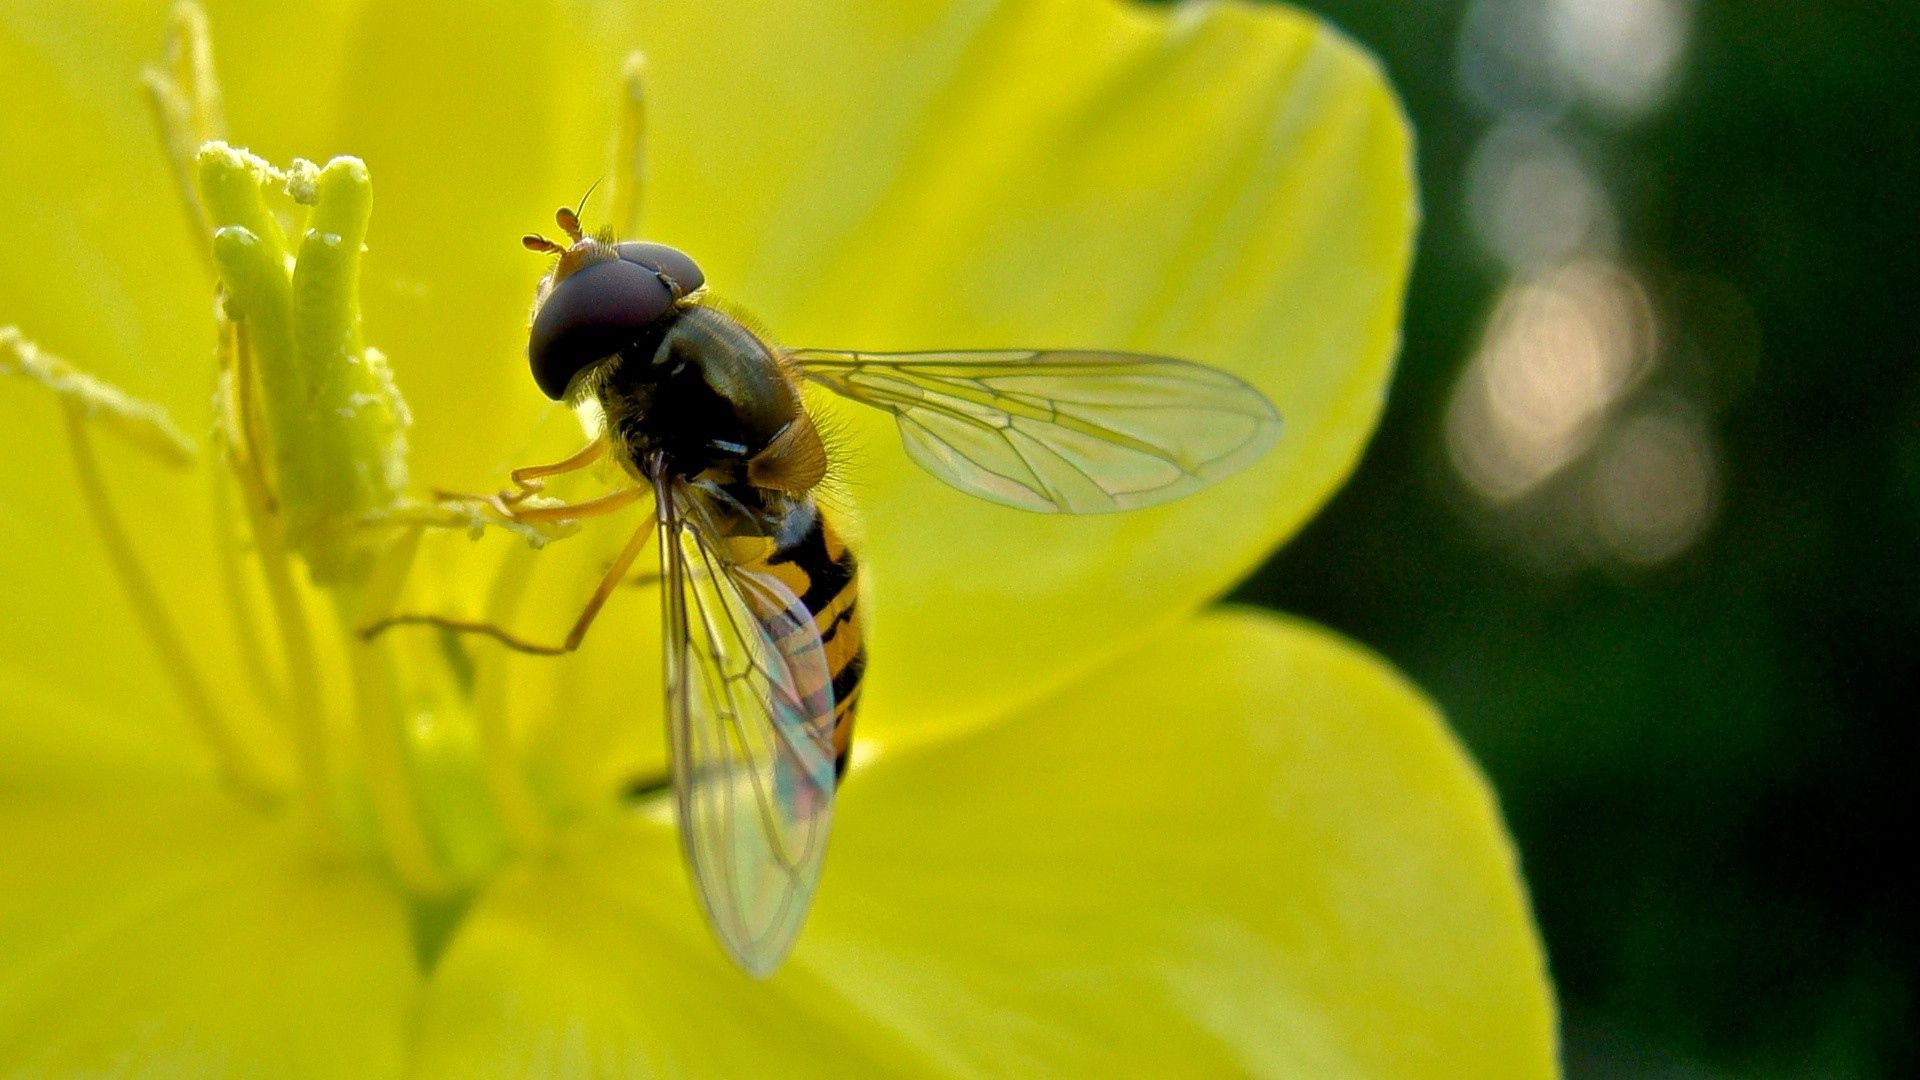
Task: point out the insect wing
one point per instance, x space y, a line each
750 722
1061 431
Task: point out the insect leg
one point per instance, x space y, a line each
615 573
605 504
528 478
526 481
508 504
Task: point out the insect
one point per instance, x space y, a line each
761 598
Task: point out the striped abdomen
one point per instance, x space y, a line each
814 561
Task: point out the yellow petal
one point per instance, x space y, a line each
148 926
1247 847
1231 184
593 963
1227 183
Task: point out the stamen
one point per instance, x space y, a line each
141 423
383 737
145 425
229 553
307 709
630 149
312 428
499 755
235 766
184 93
240 425
185 97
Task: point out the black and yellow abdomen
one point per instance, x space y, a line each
812 558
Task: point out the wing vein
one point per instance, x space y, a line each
1082 432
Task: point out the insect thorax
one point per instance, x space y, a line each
709 398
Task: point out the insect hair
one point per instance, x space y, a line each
836 489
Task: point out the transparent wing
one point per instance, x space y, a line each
1066 431
750 724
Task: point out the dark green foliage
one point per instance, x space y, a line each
1705 762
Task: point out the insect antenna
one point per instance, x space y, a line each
568 218
581 206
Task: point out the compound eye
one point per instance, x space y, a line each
591 314
670 261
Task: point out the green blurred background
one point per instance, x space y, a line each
1643 511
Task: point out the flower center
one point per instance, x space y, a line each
383 748
313 429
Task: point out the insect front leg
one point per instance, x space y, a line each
529 480
510 508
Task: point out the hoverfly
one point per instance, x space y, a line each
762 632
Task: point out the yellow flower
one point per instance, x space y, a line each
1097 833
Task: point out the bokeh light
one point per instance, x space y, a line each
1573 336
1650 564
1623 55
1654 485
1533 201
1559 351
